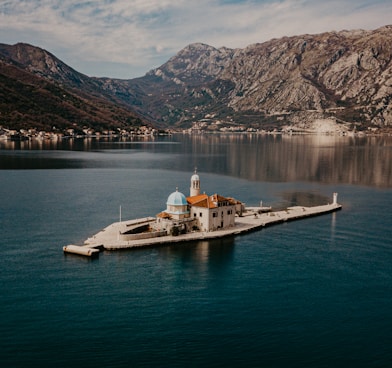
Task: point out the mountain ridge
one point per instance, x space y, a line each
343 75
37 90
290 83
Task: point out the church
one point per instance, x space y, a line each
197 212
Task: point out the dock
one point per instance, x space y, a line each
253 218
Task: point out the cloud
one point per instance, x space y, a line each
126 38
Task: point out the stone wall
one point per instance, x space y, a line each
147 235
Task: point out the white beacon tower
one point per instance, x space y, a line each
195 185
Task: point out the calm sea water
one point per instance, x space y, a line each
312 293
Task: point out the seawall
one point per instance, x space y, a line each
111 238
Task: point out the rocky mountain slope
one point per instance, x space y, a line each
329 81
39 91
344 77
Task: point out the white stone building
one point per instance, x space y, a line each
212 212
198 212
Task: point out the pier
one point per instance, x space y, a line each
254 218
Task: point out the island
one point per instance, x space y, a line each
197 217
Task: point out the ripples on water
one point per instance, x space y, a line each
310 293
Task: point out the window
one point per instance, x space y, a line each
214 214
201 214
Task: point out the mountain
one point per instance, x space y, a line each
344 77
329 81
38 90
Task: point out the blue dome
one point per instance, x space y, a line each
176 199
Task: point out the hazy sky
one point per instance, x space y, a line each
127 38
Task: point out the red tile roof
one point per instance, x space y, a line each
203 200
164 215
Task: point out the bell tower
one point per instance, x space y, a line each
195 185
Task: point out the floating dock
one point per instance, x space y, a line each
83 251
253 218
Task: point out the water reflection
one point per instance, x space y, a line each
326 159
265 158
333 226
201 259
